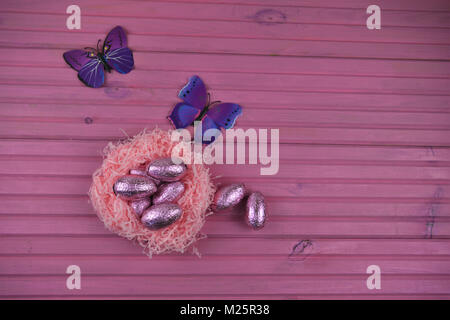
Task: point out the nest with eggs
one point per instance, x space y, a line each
118 216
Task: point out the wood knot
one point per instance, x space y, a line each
301 250
269 17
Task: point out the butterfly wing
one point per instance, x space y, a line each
115 39
207 123
222 115
120 59
89 67
92 73
194 93
76 59
194 96
225 114
183 115
115 51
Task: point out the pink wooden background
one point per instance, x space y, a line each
364 126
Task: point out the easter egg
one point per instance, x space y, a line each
161 215
133 187
256 211
138 172
165 169
228 196
140 205
169 192
143 172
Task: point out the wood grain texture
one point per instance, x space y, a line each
364 120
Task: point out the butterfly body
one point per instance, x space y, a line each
91 63
102 59
197 107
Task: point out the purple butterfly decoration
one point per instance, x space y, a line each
196 106
91 63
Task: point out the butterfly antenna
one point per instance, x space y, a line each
218 101
98 42
209 99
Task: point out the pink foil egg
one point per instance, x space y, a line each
169 192
140 205
133 187
256 211
143 172
165 169
138 172
228 196
161 215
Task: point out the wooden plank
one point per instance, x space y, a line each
291 188
116 94
368 154
238 81
190 285
291 181
263 13
433 5
288 134
108 114
317 207
235 226
209 5
211 265
109 245
289 171
235 29
233 46
203 62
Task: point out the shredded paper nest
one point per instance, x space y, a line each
117 214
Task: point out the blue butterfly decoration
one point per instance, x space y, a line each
196 106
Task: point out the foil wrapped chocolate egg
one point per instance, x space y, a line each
133 187
161 215
165 169
143 172
228 196
138 172
139 206
256 211
169 192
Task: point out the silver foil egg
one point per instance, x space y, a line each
133 187
169 192
161 215
140 205
256 211
165 169
228 196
